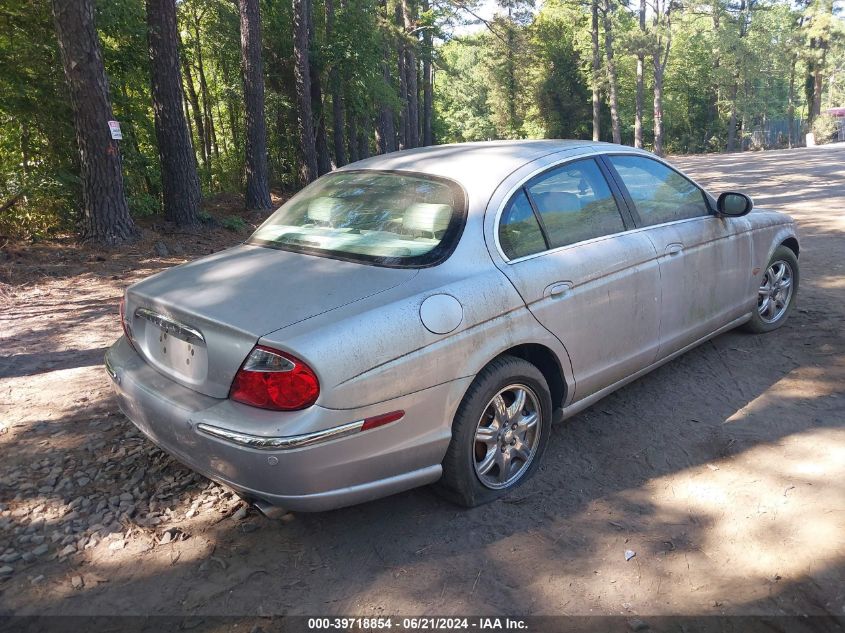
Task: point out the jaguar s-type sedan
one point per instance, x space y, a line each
424 316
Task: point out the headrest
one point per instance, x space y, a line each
324 210
427 217
557 201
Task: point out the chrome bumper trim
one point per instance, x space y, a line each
109 369
281 443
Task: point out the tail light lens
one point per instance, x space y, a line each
271 379
124 323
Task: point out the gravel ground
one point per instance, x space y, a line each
723 472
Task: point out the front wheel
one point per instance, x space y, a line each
777 292
499 433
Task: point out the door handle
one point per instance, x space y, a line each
674 249
559 290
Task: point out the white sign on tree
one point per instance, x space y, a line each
114 128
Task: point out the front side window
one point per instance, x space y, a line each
660 193
385 218
575 203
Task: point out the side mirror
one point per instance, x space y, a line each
733 204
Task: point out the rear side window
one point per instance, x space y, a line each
519 232
660 194
575 203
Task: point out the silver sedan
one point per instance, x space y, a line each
424 316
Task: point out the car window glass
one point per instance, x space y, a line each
390 218
660 194
575 203
519 232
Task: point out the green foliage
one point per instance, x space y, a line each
725 59
37 157
562 94
825 129
526 74
233 223
463 111
206 218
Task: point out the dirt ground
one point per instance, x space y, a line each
724 470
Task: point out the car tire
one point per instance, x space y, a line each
479 436
774 301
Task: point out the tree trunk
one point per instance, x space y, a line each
813 86
352 135
732 121
221 125
195 107
324 162
744 14
336 91
257 182
713 106
662 18
514 125
658 109
180 185
338 123
302 75
231 111
428 83
411 74
210 136
386 129
363 141
818 78
187 114
790 111
105 215
638 115
594 32
611 73
26 136
403 80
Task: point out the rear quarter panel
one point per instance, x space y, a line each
378 348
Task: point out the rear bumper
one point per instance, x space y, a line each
337 470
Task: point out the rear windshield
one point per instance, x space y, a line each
386 218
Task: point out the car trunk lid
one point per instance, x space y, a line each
197 322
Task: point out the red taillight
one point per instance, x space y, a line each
127 331
271 379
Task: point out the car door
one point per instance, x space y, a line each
588 280
705 261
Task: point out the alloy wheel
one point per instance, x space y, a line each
775 291
507 436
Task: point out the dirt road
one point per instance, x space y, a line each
724 471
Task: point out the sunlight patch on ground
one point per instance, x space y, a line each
776 510
53 395
801 383
707 540
831 282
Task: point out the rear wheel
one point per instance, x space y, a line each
777 292
499 433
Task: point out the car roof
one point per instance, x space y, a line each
483 164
